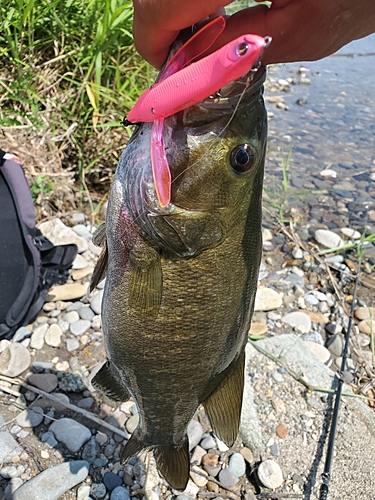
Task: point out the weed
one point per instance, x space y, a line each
40 187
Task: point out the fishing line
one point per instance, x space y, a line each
326 476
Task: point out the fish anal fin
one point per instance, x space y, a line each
173 463
101 268
105 382
146 283
224 405
132 447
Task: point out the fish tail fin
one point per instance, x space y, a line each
132 447
173 463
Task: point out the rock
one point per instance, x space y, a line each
282 431
96 302
71 316
333 328
69 291
194 432
21 334
30 417
60 234
297 253
311 299
247 454
313 336
208 442
83 492
79 262
47 403
228 478
79 274
266 234
319 351
335 345
278 405
49 439
90 450
327 238
350 233
14 360
47 382
270 475
258 328
112 480
53 482
37 337
328 173
8 472
267 299
275 450
86 403
132 423
198 454
80 327
72 344
71 433
221 446
53 336
197 478
86 313
120 493
363 313
4 344
237 464
72 382
12 486
298 320
367 326
210 459
8 445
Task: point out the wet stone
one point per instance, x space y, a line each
111 480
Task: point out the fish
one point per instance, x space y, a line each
181 279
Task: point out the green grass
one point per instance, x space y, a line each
68 60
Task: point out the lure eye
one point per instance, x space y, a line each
242 158
242 49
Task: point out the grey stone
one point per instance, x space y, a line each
90 450
333 328
298 320
237 464
112 480
14 360
71 316
313 336
96 302
31 417
228 478
297 253
53 336
45 381
42 365
86 313
86 403
98 491
270 474
47 403
131 423
335 345
72 382
120 493
49 439
53 482
37 337
194 432
21 334
79 262
274 449
9 472
295 280
80 327
71 433
12 486
208 442
311 299
83 492
72 344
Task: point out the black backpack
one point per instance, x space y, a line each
29 263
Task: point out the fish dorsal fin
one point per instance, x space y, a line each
224 405
105 382
146 282
197 45
101 268
173 463
99 237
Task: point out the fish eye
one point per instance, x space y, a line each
242 158
242 49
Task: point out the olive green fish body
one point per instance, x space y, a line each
181 280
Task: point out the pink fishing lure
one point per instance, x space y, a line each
184 83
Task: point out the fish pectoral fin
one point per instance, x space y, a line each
105 382
100 237
146 283
173 463
101 268
224 405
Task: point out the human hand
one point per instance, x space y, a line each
301 30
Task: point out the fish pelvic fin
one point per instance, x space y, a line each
99 237
173 463
224 405
105 382
146 283
101 268
132 447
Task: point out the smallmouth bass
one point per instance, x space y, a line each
181 279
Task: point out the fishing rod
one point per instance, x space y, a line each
326 476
